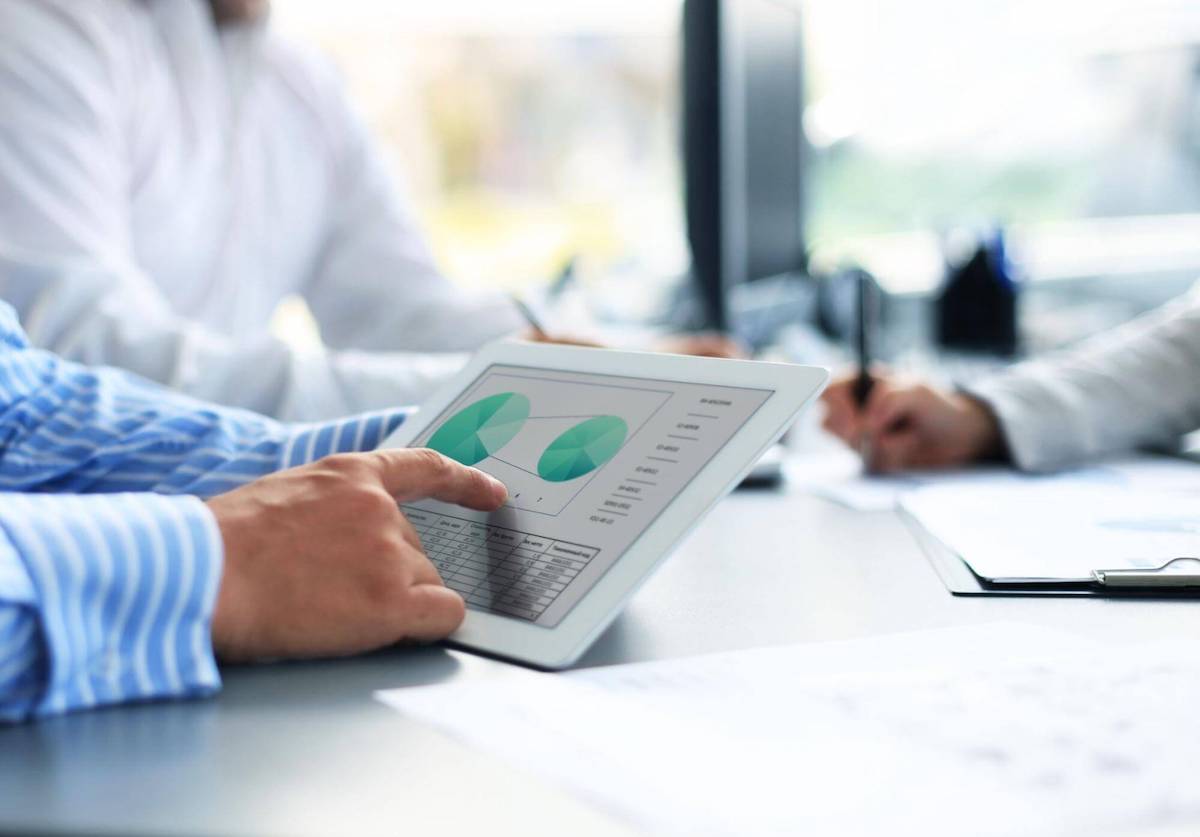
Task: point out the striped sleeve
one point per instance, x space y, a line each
104 599
109 561
66 428
308 443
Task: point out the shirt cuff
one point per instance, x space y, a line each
310 442
123 590
1040 426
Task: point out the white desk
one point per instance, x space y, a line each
303 748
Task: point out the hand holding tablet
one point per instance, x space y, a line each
609 459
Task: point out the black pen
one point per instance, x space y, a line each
863 383
539 333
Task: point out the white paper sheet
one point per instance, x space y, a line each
1122 515
838 475
929 733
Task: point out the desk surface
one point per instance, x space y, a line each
303 748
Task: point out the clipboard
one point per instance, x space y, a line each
1176 577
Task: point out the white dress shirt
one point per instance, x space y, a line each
164 183
1137 386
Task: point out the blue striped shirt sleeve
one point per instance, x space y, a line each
66 428
109 562
104 599
308 443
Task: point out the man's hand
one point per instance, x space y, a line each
319 561
911 425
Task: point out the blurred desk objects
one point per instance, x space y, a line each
977 303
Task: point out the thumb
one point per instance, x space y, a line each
432 612
417 473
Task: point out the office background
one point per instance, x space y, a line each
532 134
536 134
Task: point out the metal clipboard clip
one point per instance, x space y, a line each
1178 572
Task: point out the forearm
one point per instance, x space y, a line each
105 316
404 308
375 285
104 599
1136 387
74 429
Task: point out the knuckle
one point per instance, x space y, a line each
383 544
339 461
371 503
432 462
344 466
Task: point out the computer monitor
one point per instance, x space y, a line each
744 146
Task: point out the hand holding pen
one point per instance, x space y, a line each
897 425
908 425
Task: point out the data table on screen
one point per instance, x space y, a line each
589 461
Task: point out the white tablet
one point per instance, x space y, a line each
609 458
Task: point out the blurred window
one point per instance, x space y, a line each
532 132
528 133
1075 121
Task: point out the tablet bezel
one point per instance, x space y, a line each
794 388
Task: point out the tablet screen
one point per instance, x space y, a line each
589 460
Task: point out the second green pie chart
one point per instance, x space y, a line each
479 430
582 448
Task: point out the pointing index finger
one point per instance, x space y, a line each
417 473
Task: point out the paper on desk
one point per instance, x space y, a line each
848 486
838 475
855 737
1063 528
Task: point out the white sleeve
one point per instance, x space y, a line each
63 164
375 285
118 318
66 255
1135 387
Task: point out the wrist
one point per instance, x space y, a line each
986 439
227 607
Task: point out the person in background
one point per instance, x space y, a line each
144 534
1135 387
171 169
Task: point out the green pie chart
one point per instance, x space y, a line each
476 432
582 449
